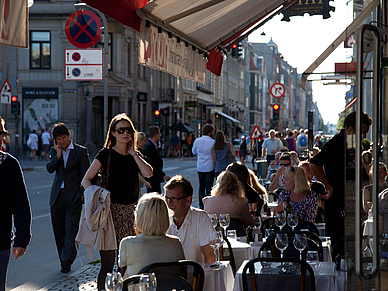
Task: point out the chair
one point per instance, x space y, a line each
313 244
164 282
228 255
238 225
307 225
189 270
353 282
254 278
134 279
268 223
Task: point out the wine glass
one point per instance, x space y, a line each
281 242
215 241
213 219
280 220
312 259
300 243
257 221
224 221
266 254
148 282
292 220
113 282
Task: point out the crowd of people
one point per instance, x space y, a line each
165 219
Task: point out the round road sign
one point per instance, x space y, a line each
76 72
277 90
83 28
76 56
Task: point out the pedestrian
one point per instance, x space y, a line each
202 147
291 142
69 161
15 210
302 141
221 152
40 145
271 146
153 157
254 150
125 166
33 144
243 150
46 139
167 144
175 144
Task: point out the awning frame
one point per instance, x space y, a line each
227 116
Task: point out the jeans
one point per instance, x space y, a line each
206 180
4 259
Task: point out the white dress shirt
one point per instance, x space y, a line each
203 149
65 155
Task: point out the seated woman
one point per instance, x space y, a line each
152 245
304 202
367 190
227 196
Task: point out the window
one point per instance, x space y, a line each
129 56
40 52
100 45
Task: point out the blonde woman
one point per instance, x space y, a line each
152 245
304 202
227 196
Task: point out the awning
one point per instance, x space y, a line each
227 116
341 38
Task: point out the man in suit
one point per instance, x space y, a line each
153 157
70 162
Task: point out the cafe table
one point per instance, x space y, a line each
218 278
326 278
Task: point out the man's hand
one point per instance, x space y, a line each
18 252
329 192
58 149
147 185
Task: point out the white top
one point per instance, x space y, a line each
45 138
193 233
272 145
203 148
34 141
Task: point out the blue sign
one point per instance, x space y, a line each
76 72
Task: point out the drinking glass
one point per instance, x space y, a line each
252 208
280 220
148 282
300 243
224 221
113 282
232 233
266 254
312 259
292 220
215 241
257 221
213 219
281 242
268 233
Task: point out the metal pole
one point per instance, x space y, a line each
105 23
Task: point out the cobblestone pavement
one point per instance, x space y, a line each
84 279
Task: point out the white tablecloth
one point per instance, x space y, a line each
219 279
326 278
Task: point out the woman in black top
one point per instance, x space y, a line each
125 166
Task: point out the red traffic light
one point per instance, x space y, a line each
14 98
157 112
276 107
234 45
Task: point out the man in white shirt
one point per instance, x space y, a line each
190 224
302 141
46 138
205 162
271 146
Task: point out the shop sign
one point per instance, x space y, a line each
190 104
312 7
40 92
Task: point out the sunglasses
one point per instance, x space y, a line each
121 130
285 165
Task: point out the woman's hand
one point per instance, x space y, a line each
131 148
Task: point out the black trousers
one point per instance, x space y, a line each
65 216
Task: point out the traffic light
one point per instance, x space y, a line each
234 50
239 50
14 104
157 117
276 109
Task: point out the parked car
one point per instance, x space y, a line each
236 145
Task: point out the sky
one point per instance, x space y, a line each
302 40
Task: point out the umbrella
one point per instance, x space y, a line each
183 127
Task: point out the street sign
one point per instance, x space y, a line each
256 133
83 28
277 90
6 93
83 73
84 57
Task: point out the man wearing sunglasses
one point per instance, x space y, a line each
150 151
69 162
14 210
277 178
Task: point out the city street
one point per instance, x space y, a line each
40 265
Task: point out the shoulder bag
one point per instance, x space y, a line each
101 179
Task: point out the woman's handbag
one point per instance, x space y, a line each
101 179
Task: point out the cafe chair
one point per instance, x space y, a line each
353 282
227 254
269 223
238 225
164 282
252 281
307 225
134 279
189 270
313 244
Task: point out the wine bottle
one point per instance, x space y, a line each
288 207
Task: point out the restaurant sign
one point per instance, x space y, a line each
159 51
312 7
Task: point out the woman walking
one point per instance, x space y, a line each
125 166
221 152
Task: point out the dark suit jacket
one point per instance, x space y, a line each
76 167
155 160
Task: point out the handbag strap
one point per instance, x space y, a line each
106 165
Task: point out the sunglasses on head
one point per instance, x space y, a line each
121 130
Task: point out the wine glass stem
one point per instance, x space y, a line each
300 256
217 254
281 254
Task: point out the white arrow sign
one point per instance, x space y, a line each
5 93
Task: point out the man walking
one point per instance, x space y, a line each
14 210
205 162
70 162
271 146
153 157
